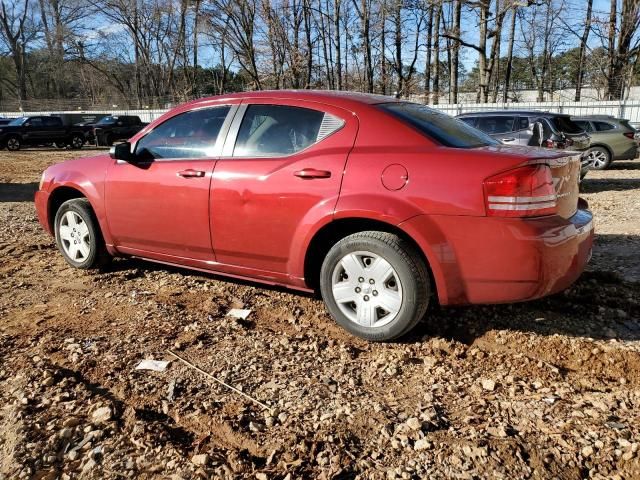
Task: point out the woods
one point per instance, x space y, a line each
146 53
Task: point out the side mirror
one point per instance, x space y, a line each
121 151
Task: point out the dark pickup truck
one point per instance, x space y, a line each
117 127
39 130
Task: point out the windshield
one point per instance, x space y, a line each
107 120
16 122
565 125
439 126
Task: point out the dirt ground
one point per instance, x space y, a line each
546 389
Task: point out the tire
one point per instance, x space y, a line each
394 276
600 158
76 141
90 252
60 145
13 143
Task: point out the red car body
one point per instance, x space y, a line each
270 219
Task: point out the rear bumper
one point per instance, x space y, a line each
503 260
42 201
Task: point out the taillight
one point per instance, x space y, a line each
523 192
630 135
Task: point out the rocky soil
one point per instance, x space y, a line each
547 389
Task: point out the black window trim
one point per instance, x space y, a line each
234 130
217 148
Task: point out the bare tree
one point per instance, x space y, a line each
18 31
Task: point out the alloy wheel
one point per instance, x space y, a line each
598 159
13 144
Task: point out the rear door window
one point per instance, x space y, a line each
52 122
281 130
522 123
496 124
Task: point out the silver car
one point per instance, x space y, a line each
533 128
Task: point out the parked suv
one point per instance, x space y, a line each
116 127
532 128
382 205
611 139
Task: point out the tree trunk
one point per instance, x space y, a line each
583 46
427 70
507 75
336 23
436 55
455 60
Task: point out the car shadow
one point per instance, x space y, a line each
583 311
17 192
595 185
625 165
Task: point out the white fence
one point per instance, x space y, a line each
629 110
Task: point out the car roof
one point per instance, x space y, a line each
595 117
332 97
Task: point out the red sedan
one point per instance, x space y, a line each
383 206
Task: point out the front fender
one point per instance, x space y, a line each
91 191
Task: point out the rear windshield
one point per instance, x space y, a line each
565 125
439 126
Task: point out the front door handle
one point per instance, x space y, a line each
509 139
190 173
309 173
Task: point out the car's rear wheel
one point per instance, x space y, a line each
13 143
375 285
600 158
76 142
78 235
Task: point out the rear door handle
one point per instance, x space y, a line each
190 173
309 173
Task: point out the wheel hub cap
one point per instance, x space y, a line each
367 289
74 236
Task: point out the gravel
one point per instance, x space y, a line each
545 389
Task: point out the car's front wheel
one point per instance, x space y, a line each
13 143
78 235
599 157
375 285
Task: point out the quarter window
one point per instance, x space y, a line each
188 135
603 126
280 130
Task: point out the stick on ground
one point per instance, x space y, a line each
207 374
